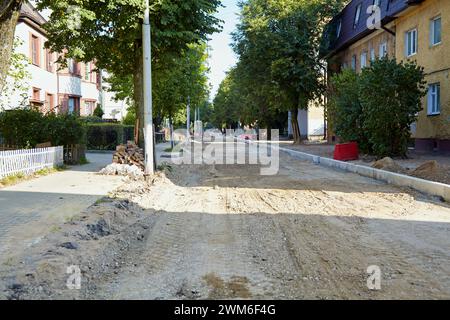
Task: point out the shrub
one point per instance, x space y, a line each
377 107
65 129
25 128
98 112
22 127
106 136
346 110
391 94
130 118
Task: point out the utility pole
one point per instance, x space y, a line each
148 103
188 125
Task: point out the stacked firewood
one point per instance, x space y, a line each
129 154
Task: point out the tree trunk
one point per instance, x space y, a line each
9 14
295 127
138 83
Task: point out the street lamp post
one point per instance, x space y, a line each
188 121
148 113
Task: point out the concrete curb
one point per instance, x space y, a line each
425 186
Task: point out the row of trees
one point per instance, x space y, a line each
279 69
110 33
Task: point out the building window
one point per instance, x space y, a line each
357 15
363 60
339 29
72 105
434 99
383 50
354 62
411 42
87 71
435 32
35 46
49 106
36 94
49 60
72 65
372 55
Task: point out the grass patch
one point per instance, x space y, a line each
83 161
20 177
165 166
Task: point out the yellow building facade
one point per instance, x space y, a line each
410 31
423 35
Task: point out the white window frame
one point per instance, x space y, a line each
411 45
433 37
383 50
357 16
373 56
339 29
363 61
354 62
434 99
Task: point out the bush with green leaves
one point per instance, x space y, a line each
98 112
130 118
377 107
64 129
391 94
27 127
346 110
106 136
23 128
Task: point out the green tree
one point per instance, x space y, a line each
9 15
110 33
278 43
181 79
18 77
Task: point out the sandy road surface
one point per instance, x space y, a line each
308 232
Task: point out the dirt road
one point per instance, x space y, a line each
227 232
309 232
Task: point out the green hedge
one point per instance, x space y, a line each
25 128
106 136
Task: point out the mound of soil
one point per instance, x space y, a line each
431 170
388 164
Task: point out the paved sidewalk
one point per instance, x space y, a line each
30 209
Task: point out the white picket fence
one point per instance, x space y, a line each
29 161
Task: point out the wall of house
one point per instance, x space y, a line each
344 58
40 78
431 130
59 84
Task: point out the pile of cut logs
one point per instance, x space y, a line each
129 154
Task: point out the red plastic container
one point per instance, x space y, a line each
346 151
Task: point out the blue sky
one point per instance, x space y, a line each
222 57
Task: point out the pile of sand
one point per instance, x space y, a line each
431 170
388 164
